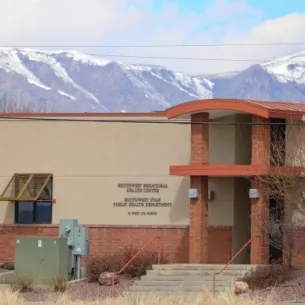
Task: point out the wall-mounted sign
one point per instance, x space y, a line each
148 205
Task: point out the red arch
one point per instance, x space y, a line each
251 107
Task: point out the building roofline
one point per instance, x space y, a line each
259 108
82 114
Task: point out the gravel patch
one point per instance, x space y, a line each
81 290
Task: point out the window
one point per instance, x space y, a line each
33 197
33 212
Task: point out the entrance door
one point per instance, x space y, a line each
242 224
276 236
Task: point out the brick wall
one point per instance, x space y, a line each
8 233
105 240
220 245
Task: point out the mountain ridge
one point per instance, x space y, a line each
71 81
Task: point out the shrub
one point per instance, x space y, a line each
21 284
141 264
112 263
96 266
267 276
59 284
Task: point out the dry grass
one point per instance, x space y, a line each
21 284
8 297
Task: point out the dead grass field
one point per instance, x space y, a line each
7 297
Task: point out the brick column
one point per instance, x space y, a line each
260 141
199 222
259 218
199 207
200 139
260 207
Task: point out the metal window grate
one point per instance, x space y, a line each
27 187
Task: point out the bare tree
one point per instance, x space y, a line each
283 236
8 105
284 186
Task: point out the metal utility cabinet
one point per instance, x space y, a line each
42 258
78 241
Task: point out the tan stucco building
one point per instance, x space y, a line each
128 177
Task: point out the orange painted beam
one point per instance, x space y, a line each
229 170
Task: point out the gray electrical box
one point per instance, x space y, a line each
81 238
66 229
77 240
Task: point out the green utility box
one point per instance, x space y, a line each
42 258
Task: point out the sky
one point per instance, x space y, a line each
88 25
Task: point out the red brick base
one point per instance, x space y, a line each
105 240
110 240
219 245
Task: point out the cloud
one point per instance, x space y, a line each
51 22
224 9
135 22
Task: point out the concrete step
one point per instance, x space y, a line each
207 284
181 288
177 278
187 295
197 267
188 278
194 272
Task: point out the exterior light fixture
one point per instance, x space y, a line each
254 193
194 194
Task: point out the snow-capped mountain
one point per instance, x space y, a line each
288 69
76 82
73 81
281 79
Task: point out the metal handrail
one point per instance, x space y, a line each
135 256
232 259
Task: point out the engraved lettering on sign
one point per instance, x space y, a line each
142 202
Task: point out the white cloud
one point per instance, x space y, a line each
51 22
224 9
134 22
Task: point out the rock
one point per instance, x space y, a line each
8 266
1 265
241 287
105 279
